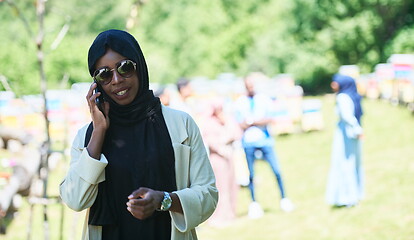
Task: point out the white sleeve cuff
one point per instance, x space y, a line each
90 169
191 206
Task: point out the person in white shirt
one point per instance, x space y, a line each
253 115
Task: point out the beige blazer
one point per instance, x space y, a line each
194 178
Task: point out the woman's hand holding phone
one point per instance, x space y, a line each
100 121
98 108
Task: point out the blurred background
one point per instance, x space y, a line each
294 47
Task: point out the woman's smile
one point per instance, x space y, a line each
121 92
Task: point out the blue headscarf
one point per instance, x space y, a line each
347 85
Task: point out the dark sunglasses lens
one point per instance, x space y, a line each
126 68
103 75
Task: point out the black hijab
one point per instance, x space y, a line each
138 148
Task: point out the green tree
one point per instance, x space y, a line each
353 32
307 38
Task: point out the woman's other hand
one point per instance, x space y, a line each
143 202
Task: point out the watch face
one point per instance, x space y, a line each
166 202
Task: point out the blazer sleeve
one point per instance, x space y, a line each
200 198
346 114
79 188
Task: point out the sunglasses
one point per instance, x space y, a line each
125 68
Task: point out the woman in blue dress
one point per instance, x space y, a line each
345 183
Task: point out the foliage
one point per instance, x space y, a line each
359 31
19 50
307 38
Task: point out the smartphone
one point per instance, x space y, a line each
99 100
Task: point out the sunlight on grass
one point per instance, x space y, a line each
385 213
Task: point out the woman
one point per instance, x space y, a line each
140 168
219 132
345 184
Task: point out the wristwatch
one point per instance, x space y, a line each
165 203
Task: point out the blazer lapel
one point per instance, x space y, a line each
176 126
178 134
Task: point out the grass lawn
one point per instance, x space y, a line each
387 211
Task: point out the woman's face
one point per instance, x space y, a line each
335 86
122 90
